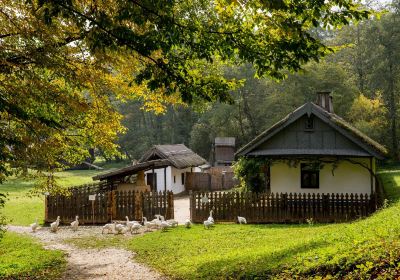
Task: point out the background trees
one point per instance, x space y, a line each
363 75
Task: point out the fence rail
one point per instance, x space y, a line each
108 206
280 207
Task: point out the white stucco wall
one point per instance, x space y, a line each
346 178
175 187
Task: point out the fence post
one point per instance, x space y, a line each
171 204
114 205
109 206
191 205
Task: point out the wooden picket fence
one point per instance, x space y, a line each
108 206
280 207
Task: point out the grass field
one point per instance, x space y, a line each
359 249
22 209
21 257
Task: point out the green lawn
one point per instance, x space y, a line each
358 249
21 257
22 209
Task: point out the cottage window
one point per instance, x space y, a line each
174 179
309 176
309 125
183 178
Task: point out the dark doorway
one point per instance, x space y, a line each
152 183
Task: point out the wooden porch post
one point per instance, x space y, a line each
371 175
153 181
165 179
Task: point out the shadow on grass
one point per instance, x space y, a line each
253 265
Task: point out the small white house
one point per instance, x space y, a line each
172 178
313 150
162 168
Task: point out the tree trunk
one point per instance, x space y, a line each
249 116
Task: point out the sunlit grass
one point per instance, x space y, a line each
22 208
282 251
21 257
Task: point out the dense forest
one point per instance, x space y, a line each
362 73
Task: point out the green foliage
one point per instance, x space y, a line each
368 115
251 172
334 251
176 42
21 257
55 99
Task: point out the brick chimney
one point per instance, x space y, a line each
324 100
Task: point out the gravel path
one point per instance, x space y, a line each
109 263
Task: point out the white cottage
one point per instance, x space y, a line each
181 159
162 168
313 150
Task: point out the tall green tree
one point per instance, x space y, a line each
64 62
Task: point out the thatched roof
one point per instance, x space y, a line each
370 146
178 155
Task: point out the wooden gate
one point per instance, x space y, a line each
158 203
136 205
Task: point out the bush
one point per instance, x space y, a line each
251 173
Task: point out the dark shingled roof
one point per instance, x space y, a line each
178 155
365 142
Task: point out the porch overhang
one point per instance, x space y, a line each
133 169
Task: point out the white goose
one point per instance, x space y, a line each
165 225
109 228
54 225
211 219
149 225
75 224
35 225
207 224
129 224
120 229
242 220
135 228
172 222
188 223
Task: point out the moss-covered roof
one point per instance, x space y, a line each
373 147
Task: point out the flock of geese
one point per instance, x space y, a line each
134 226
